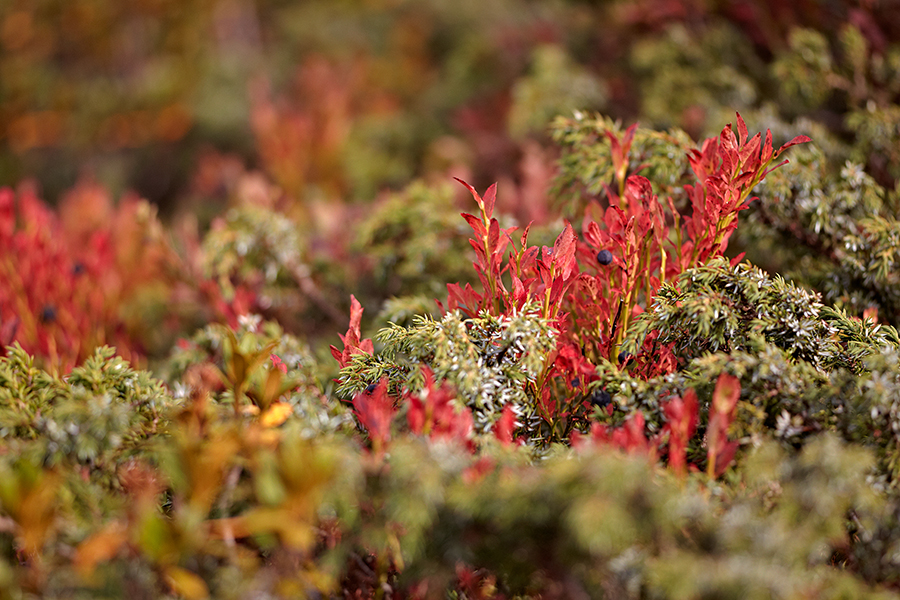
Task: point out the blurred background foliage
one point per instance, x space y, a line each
340 99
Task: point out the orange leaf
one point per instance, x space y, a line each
276 415
725 397
100 547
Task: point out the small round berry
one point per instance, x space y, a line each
48 314
600 398
370 388
624 357
604 257
575 382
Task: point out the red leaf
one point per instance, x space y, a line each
475 223
493 235
519 293
7 212
800 139
352 342
477 470
682 415
524 240
472 190
356 311
742 129
593 235
767 148
750 154
479 251
564 250
505 426
432 412
415 415
781 164
737 259
375 412
726 394
615 220
490 196
638 188
724 457
721 414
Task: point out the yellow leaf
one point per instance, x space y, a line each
276 415
272 388
294 531
185 583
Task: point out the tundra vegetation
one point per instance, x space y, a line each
643 346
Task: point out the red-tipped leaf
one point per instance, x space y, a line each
800 139
742 129
472 191
490 197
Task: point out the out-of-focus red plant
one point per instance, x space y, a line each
431 412
375 411
301 135
73 280
505 427
721 414
681 416
629 437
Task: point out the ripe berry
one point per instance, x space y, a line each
624 357
48 314
604 257
600 398
370 388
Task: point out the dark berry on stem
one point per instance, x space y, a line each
604 257
370 388
600 398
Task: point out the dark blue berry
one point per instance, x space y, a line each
600 398
624 357
78 269
48 314
370 388
575 382
604 257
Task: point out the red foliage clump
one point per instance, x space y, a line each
68 279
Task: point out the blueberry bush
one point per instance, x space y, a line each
616 285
